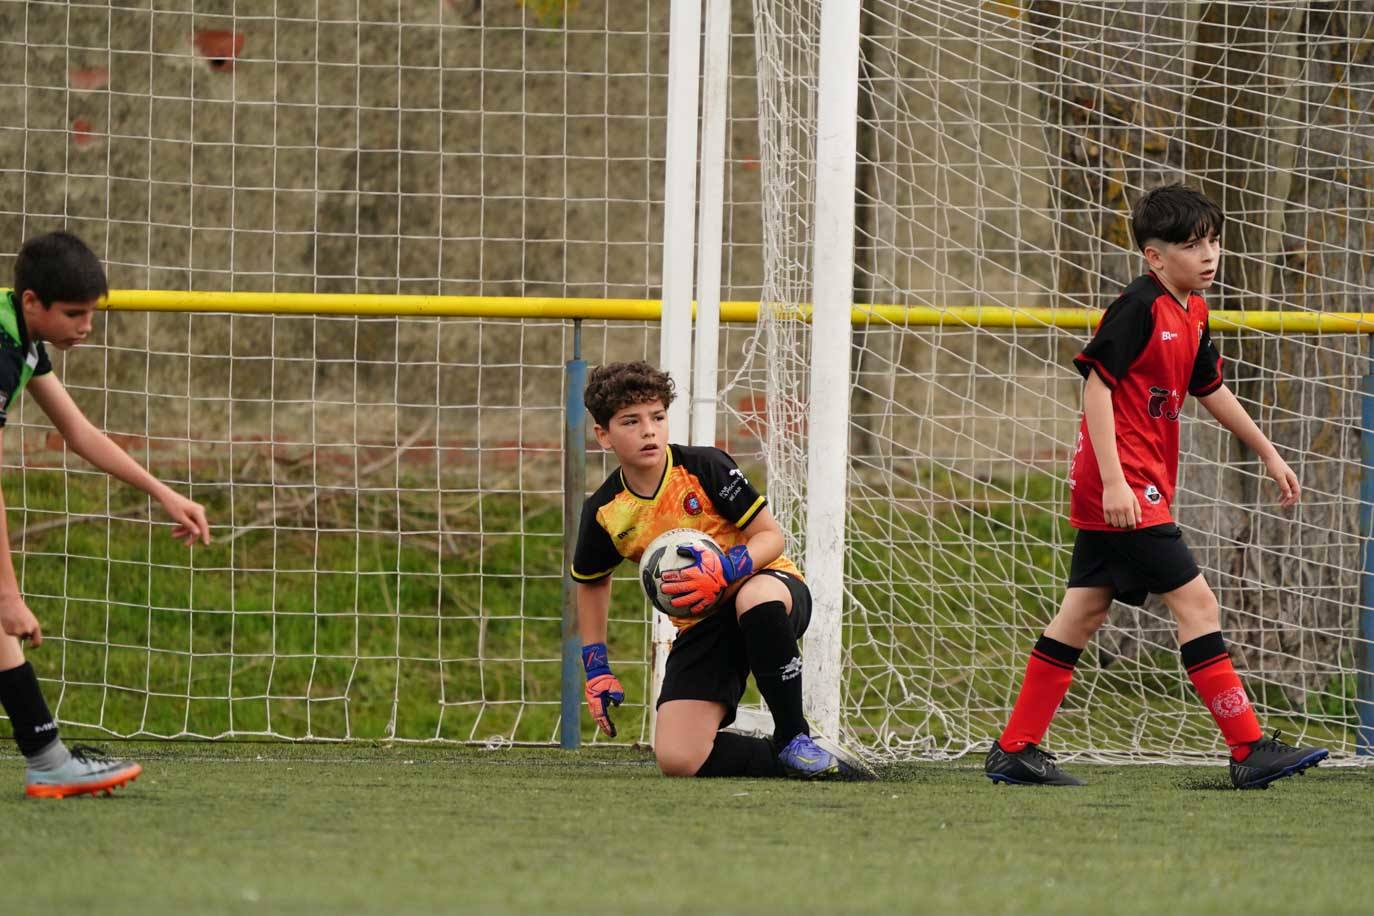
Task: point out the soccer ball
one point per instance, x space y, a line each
661 555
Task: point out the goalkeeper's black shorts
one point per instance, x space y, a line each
708 660
1134 563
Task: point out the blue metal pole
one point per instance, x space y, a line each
574 492
1364 655
1364 699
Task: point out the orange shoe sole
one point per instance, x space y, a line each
91 788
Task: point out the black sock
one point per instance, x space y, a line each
776 664
739 755
34 728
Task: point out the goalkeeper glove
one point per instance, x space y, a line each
700 585
603 689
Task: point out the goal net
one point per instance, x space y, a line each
386 492
1000 147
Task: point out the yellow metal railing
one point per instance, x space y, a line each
373 304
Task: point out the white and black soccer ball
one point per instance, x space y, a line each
661 555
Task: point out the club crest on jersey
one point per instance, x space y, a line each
1162 404
1152 494
692 504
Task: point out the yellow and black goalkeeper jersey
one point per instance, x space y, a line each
701 488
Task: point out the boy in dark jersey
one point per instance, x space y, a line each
58 283
766 608
1151 349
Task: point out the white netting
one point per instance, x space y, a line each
1000 147
386 492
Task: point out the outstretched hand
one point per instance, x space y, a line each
1279 472
191 524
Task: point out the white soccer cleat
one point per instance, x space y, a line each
89 771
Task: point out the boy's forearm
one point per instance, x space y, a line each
9 580
1097 408
765 547
593 609
1230 413
101 451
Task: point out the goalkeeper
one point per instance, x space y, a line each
659 487
1151 350
58 283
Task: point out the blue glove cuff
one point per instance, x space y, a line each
738 563
596 660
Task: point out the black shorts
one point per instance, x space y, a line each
1133 563
708 660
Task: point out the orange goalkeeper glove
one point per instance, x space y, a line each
603 689
700 585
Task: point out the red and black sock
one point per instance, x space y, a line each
741 755
1209 668
1048 675
34 727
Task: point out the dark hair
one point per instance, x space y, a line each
1174 213
615 386
58 267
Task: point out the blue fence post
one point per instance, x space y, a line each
574 491
1364 654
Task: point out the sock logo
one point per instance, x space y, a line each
1230 703
792 669
49 726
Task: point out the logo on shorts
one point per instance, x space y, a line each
692 504
1152 494
1230 703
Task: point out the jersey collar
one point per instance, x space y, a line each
667 466
1165 290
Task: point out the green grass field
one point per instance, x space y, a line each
274 828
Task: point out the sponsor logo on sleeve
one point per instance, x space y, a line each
734 483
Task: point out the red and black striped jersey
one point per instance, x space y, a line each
1151 351
701 488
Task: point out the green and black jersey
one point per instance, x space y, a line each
21 357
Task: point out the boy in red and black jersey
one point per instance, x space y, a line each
753 630
1152 348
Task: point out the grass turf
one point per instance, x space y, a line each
244 828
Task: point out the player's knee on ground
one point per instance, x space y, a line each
681 761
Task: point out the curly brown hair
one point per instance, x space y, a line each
613 387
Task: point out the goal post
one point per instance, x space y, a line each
827 451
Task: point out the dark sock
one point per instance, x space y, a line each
739 755
776 664
34 727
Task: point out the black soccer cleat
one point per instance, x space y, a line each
1029 766
1271 759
